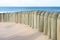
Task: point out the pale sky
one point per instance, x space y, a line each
20 3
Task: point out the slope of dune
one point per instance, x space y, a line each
13 31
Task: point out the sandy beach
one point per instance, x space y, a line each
13 31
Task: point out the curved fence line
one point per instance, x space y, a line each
43 21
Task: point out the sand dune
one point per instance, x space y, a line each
13 31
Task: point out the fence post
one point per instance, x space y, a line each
26 17
4 17
22 18
13 17
46 23
54 26
41 28
31 19
38 20
18 17
0 17
49 24
35 19
58 27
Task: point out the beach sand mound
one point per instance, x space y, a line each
13 31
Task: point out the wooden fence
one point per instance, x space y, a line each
43 21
